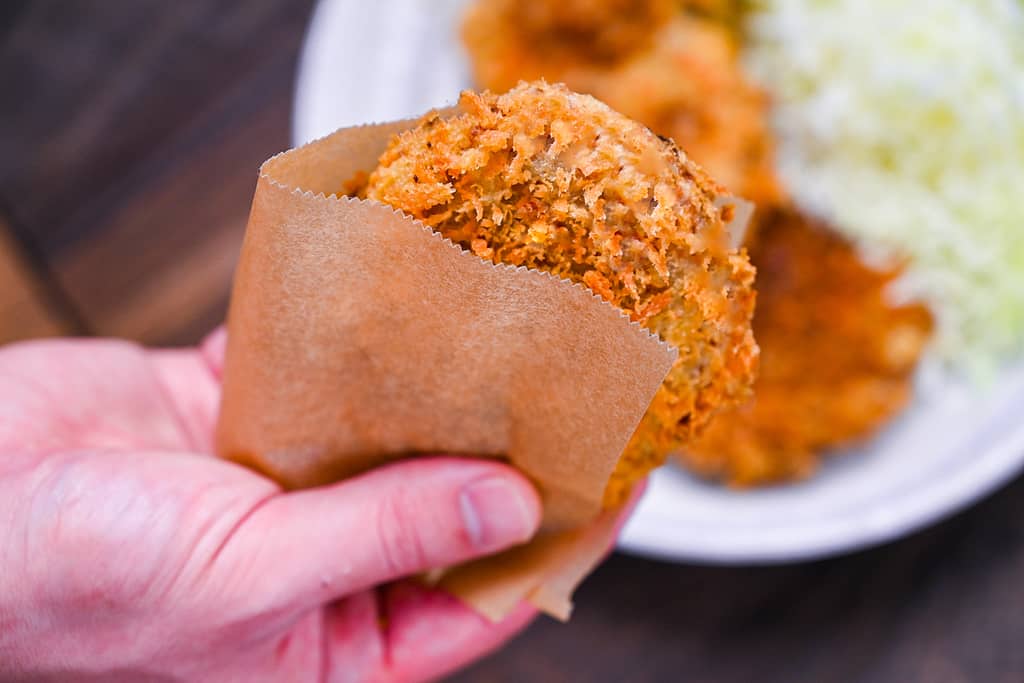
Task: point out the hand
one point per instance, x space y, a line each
127 552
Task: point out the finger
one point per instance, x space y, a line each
353 639
623 518
193 394
639 489
430 633
311 547
61 394
212 349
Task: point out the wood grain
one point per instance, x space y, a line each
24 311
134 147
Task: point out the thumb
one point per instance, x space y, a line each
310 547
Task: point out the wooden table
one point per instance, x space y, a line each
130 135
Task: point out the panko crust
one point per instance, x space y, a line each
680 75
549 179
689 85
836 357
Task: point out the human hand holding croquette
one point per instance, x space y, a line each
512 278
140 557
129 553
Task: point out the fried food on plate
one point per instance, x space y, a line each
511 40
680 75
723 10
836 357
689 86
552 180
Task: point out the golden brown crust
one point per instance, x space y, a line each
679 74
724 12
836 357
690 87
545 178
512 40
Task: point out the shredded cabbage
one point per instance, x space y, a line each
903 123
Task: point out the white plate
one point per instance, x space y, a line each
377 61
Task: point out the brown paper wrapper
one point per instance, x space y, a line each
358 336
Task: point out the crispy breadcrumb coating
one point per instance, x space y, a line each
836 358
679 74
689 86
546 178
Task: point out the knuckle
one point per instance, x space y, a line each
399 535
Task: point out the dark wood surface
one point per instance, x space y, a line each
25 310
130 136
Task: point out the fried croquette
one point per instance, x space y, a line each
689 86
836 358
725 12
552 180
680 75
512 40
